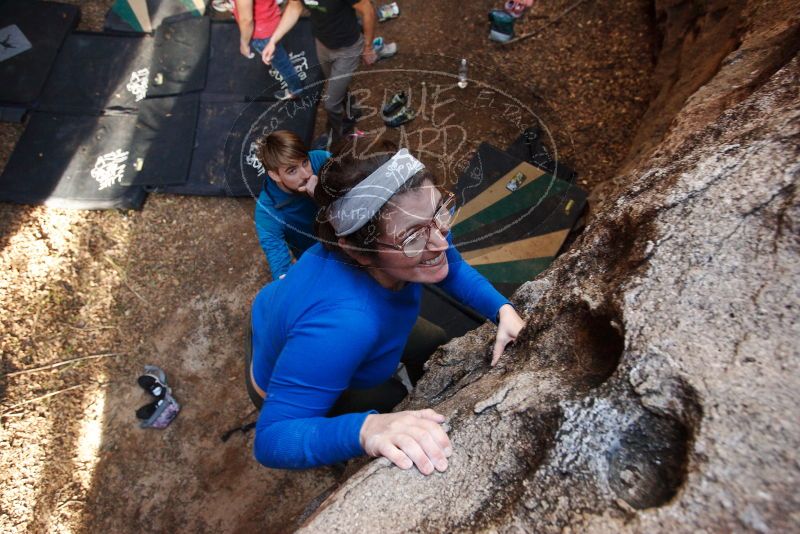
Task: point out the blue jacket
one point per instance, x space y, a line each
328 326
285 221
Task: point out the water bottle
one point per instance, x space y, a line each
462 74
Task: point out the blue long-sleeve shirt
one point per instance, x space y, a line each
328 326
285 221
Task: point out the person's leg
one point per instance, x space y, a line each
345 61
424 339
324 58
382 398
282 63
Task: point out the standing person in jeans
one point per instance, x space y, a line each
340 45
258 20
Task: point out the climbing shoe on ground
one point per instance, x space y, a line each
388 11
153 381
152 385
395 104
502 26
382 49
147 411
159 413
403 116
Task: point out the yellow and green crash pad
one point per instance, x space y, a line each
512 218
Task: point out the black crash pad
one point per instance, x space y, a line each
180 56
102 73
12 113
529 146
98 73
232 77
72 161
31 34
163 139
224 161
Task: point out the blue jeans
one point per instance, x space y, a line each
282 63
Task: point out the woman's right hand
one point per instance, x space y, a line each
268 52
408 438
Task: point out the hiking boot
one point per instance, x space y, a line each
384 50
398 101
404 116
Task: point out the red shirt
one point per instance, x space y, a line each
266 16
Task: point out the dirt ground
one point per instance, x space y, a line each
171 284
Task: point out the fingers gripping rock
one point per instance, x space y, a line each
408 438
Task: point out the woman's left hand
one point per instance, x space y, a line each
508 327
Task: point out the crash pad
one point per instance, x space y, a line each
98 73
31 34
163 141
224 161
232 77
512 218
72 161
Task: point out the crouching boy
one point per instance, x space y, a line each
285 210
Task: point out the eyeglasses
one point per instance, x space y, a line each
413 245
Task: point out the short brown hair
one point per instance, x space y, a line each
281 148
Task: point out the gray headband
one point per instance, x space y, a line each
351 212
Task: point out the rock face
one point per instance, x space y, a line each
656 384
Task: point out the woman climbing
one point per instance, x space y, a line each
328 337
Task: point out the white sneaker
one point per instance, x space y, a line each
222 5
388 11
384 50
